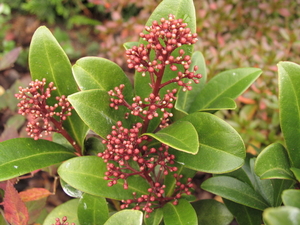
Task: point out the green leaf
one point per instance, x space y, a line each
243 214
93 107
291 198
264 187
289 106
69 190
92 210
221 148
279 186
212 212
296 172
126 217
87 174
183 9
222 103
48 60
180 214
154 218
68 209
286 215
270 190
225 85
180 135
273 162
185 98
102 74
235 190
244 173
24 155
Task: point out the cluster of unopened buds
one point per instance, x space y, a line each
123 145
164 38
63 221
148 108
127 149
42 117
156 197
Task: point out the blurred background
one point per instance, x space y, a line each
232 34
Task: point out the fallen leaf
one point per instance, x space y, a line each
34 194
15 211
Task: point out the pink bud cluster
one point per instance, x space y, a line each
164 38
63 221
43 118
128 151
148 108
124 145
156 197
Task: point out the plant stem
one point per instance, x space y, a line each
64 133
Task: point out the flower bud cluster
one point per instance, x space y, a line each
124 152
156 197
163 39
42 117
148 108
128 151
63 221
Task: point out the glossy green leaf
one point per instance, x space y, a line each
24 155
235 190
48 60
296 172
93 107
286 215
180 214
154 218
180 135
289 105
87 174
186 98
92 210
269 189
244 173
126 217
244 215
69 190
273 162
291 198
102 74
221 147
183 9
212 212
68 209
279 186
227 84
263 187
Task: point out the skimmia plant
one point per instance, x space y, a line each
127 154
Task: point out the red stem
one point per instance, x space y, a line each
63 132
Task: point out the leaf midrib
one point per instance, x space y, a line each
35 155
102 178
243 194
92 77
